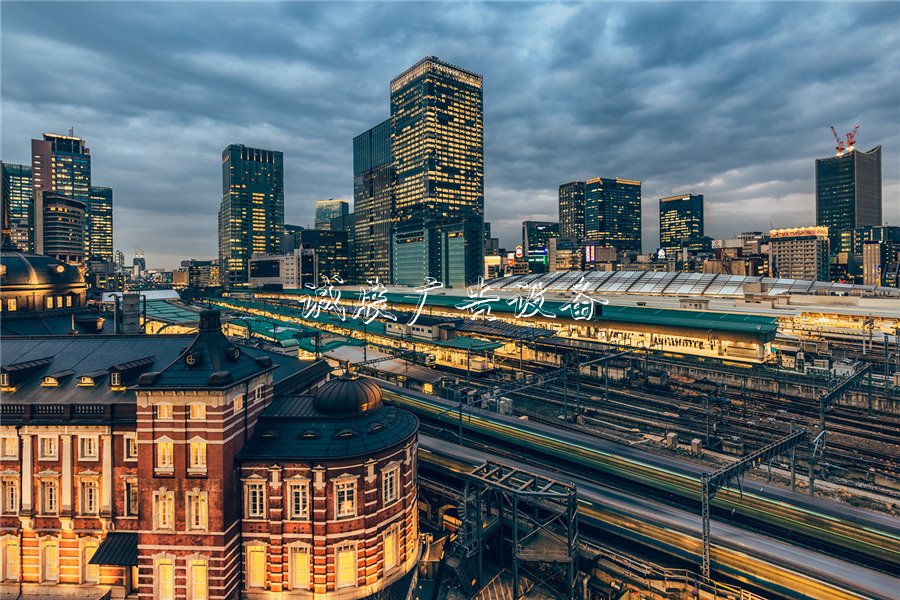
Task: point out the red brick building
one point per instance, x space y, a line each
160 467
329 487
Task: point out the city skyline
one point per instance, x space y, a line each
754 165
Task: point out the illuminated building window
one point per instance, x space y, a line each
345 569
11 304
197 450
49 553
345 498
391 549
390 482
256 566
115 379
131 446
47 447
164 578
87 448
131 498
9 446
300 568
10 558
48 302
90 573
238 403
164 510
199 584
198 412
165 455
298 497
9 504
88 495
255 500
49 497
164 412
197 511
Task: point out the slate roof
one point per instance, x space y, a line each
28 359
55 322
292 428
211 361
119 548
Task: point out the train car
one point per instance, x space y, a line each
657 379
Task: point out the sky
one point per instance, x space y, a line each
730 100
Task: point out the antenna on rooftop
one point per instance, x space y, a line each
71 132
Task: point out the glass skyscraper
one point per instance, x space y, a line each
60 164
373 203
251 216
98 227
571 210
848 194
437 147
536 243
680 221
612 213
19 201
326 210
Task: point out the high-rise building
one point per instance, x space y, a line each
59 228
447 252
98 229
373 204
848 194
799 253
571 210
612 213
60 164
251 216
19 200
326 210
332 252
536 236
680 221
437 147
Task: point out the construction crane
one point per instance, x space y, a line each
840 143
851 138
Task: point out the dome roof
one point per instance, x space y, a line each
347 395
36 270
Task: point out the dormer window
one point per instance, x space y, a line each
49 381
4 380
86 381
115 379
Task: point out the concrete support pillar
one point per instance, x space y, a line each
65 494
27 475
106 486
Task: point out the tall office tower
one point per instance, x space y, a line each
536 236
326 210
680 221
332 251
799 253
612 213
437 147
373 204
848 194
98 226
251 216
19 200
60 164
59 228
571 210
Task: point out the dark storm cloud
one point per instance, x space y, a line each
729 100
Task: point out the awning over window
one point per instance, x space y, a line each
119 548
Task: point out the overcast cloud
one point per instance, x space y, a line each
732 101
